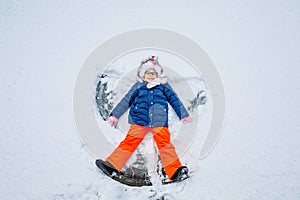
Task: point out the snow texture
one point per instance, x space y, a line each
254 44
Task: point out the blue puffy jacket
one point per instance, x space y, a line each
149 107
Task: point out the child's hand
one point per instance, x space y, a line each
187 119
113 121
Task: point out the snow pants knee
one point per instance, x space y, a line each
135 136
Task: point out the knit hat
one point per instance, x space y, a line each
151 63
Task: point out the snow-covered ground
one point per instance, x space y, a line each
254 44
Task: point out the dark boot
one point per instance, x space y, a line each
180 174
106 167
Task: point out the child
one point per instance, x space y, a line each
148 102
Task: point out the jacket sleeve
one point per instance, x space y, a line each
125 102
175 102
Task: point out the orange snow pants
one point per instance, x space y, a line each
135 136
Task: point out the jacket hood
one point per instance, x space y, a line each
151 63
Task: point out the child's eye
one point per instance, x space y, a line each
151 73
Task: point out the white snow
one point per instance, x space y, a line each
254 44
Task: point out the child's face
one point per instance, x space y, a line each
150 75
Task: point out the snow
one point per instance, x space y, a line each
254 44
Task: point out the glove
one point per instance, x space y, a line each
186 120
113 121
